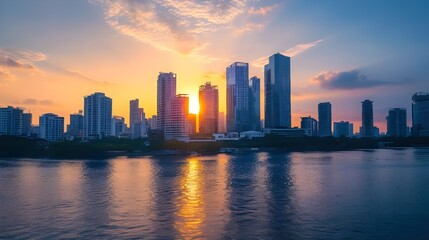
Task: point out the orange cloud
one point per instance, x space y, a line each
262 10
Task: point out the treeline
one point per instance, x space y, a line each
11 146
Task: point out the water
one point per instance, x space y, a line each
380 194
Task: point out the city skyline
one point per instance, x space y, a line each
53 53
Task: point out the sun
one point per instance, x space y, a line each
194 105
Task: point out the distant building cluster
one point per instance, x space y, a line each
241 120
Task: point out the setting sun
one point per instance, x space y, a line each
194 106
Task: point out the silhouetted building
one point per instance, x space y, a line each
420 109
75 128
325 119
277 92
191 125
367 119
208 96
166 95
343 129
51 127
309 125
27 120
138 126
255 103
11 121
237 97
397 122
97 116
118 126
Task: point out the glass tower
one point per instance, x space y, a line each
367 119
237 97
325 119
420 108
277 92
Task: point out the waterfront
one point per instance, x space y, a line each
373 194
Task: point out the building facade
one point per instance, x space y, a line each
420 114
138 126
118 126
277 92
325 119
75 128
367 119
397 122
310 126
11 121
51 127
255 103
97 116
343 129
237 97
208 96
177 125
27 120
166 95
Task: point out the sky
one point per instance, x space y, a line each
53 53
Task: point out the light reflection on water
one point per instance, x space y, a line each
331 195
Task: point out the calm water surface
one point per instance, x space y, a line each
377 194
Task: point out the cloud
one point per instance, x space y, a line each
32 101
70 73
172 25
21 59
210 76
291 52
262 10
5 75
346 80
248 28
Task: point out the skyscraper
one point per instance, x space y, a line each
255 103
420 108
166 94
137 120
367 119
11 121
237 97
325 119
209 108
27 119
277 92
75 128
221 123
97 116
118 126
309 125
177 124
397 122
51 127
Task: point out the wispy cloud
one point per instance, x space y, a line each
262 10
346 80
70 73
33 101
21 59
172 25
249 27
5 75
291 52
210 76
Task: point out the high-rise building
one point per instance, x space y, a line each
153 122
309 125
221 124
277 92
420 109
51 127
343 129
75 128
27 120
137 120
367 119
255 103
11 121
191 125
97 119
166 95
397 122
209 108
325 119
118 126
176 125
237 97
